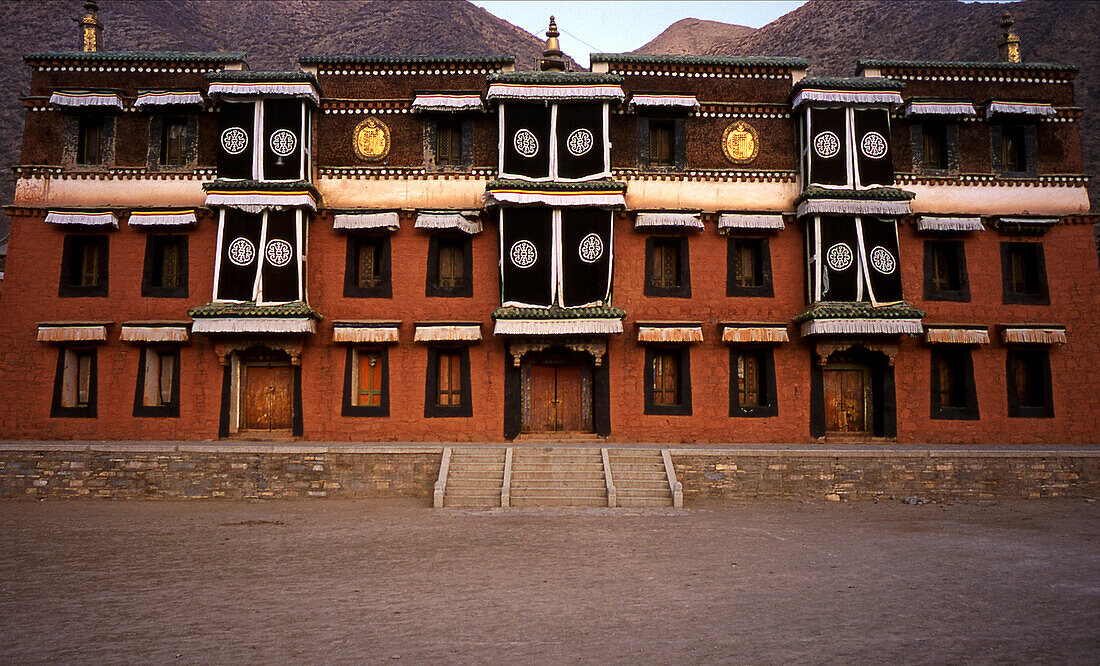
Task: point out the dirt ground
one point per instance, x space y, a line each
390 580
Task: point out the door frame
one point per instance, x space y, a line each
558 359
868 399
234 357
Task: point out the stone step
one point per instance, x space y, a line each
587 465
520 502
636 457
467 491
638 472
573 489
472 501
558 483
644 492
476 467
642 485
474 483
639 502
556 474
477 460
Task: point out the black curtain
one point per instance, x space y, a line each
528 245
828 146
527 139
839 259
240 252
586 255
282 139
873 158
235 145
880 247
280 260
580 140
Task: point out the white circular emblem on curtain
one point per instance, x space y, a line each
826 145
283 142
839 257
591 248
278 253
241 251
873 145
579 142
882 261
524 254
234 140
525 143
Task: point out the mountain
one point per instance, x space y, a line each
693 36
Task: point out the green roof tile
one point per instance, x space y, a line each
584 186
160 56
594 312
934 64
212 310
260 185
874 194
404 59
557 78
260 76
852 310
847 83
732 61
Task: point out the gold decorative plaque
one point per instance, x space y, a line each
740 143
372 140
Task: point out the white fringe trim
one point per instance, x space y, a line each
755 334
85 219
154 334
555 199
365 334
162 218
521 91
252 89
467 221
929 223
86 99
853 207
157 98
254 325
1034 336
670 334
678 101
846 96
940 109
750 221
1020 108
448 103
861 326
1044 221
457 333
257 203
557 326
72 333
956 336
389 220
690 220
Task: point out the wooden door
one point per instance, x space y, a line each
845 399
570 414
555 400
543 390
268 397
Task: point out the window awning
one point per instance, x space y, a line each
1028 221
162 218
860 326
663 219
653 332
83 218
445 102
148 332
254 325
853 207
447 333
609 198
939 108
949 223
71 332
270 88
664 101
750 221
755 333
958 335
1034 335
557 326
256 201
467 221
846 96
102 100
499 91
169 98
365 332
367 220
1037 109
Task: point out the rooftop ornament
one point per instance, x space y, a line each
553 60
91 30
1009 48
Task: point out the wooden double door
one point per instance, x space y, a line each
557 397
267 396
847 392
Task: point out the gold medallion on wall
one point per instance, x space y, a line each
372 140
740 143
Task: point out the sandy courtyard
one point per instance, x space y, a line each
390 580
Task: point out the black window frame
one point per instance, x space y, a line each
1042 356
683 354
153 246
351 267
87 411
349 408
1013 297
950 147
431 385
170 410
766 356
432 124
682 290
764 263
432 286
158 135
956 251
960 359
679 142
73 242
85 123
1029 135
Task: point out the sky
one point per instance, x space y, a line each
602 26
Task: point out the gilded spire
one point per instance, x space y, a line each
91 37
1009 48
552 57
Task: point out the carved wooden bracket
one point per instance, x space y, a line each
826 349
597 348
292 348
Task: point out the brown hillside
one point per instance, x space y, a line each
693 36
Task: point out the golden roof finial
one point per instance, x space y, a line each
552 57
1009 48
91 30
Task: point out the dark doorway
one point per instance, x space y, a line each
557 395
267 396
